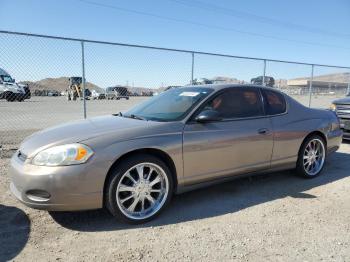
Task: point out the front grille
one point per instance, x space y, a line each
343 111
21 156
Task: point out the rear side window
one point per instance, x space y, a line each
237 103
274 102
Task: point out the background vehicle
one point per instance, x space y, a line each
53 93
202 81
117 92
342 109
26 89
74 90
9 90
269 81
182 139
97 95
170 87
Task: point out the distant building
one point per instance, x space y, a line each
301 86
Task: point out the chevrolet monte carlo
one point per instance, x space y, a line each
133 162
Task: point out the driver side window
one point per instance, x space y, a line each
237 103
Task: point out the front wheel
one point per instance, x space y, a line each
312 156
139 189
10 97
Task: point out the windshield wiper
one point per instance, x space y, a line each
118 114
133 116
137 117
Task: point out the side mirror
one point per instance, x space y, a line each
208 116
13 80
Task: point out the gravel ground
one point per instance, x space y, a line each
275 217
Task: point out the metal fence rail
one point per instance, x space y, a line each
166 49
43 62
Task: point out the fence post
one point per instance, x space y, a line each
192 68
310 84
264 74
348 89
83 75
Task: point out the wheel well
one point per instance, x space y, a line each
319 133
150 151
7 93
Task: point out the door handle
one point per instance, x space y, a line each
263 131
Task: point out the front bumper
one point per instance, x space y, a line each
68 187
346 134
345 127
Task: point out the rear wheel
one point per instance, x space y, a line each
312 156
20 98
139 189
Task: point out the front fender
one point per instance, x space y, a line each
106 156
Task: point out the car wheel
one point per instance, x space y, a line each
10 97
312 156
139 189
20 98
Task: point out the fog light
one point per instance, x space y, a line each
38 195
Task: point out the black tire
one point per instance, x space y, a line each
10 97
115 177
20 98
300 169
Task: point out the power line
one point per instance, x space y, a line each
209 26
260 19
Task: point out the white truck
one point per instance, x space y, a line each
9 90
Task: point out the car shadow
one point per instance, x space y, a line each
217 200
14 231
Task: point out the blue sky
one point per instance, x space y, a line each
306 31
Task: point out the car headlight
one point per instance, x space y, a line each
333 107
65 155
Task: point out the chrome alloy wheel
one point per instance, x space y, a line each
142 191
314 157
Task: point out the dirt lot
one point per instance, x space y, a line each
275 217
20 119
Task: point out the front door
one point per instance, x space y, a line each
239 143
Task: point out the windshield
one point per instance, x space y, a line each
171 105
6 78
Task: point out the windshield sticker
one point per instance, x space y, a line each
189 94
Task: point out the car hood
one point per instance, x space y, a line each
80 131
342 101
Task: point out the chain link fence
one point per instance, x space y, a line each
46 80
